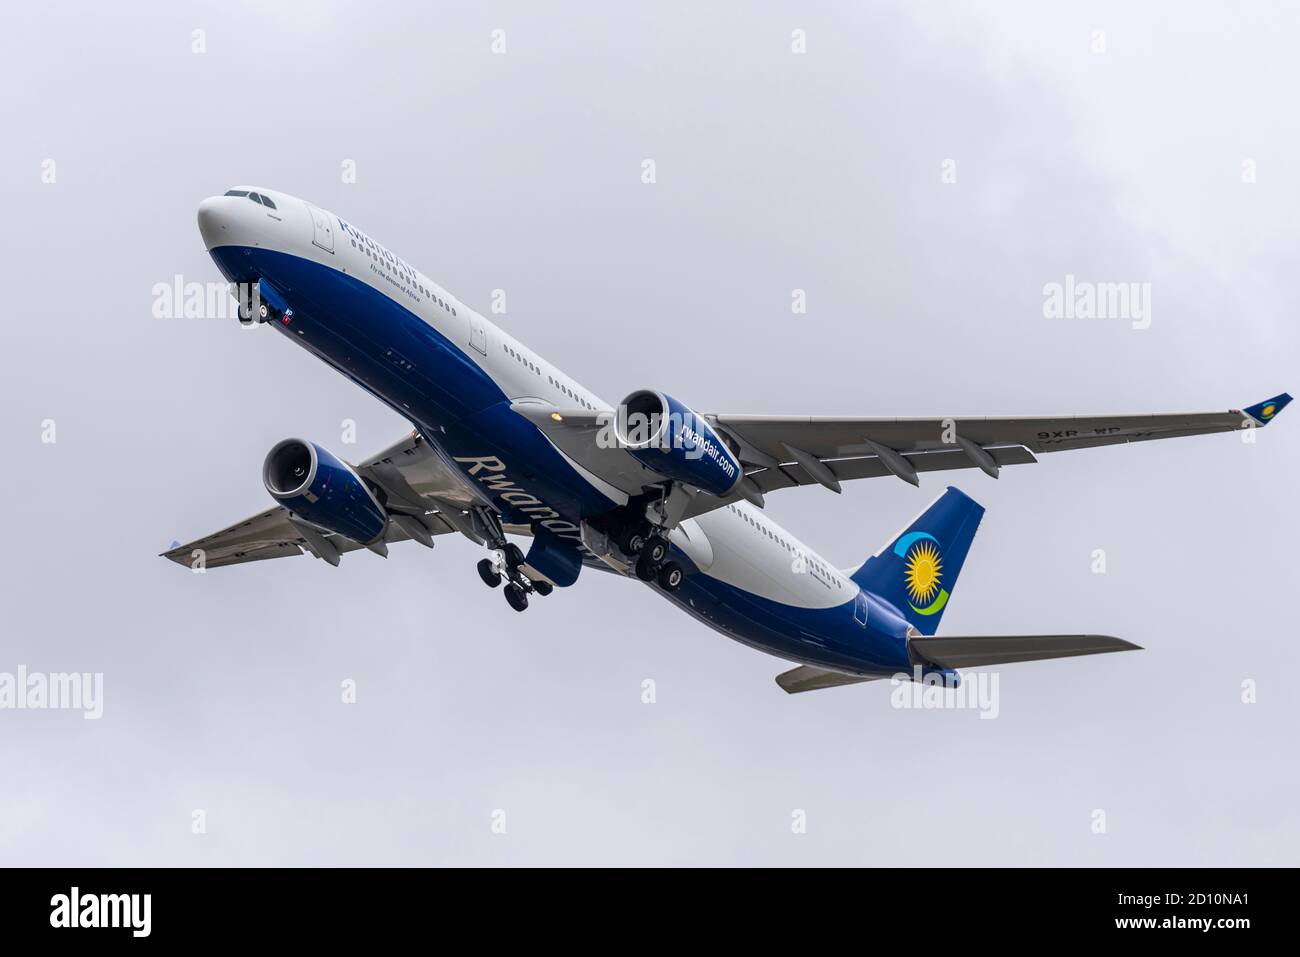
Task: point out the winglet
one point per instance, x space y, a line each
1266 411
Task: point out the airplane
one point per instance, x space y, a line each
504 443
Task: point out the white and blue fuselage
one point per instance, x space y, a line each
431 358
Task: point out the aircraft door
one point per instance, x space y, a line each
477 333
322 233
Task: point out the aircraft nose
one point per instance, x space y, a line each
214 220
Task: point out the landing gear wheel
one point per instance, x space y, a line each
514 556
632 543
543 588
646 568
264 312
515 597
247 313
656 549
488 572
670 576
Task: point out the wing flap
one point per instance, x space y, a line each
256 554
792 475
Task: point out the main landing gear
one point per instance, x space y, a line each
652 563
508 568
516 597
487 570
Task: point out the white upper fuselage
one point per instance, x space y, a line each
735 544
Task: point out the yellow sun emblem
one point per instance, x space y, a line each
923 572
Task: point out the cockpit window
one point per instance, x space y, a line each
255 197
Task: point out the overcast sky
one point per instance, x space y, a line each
1163 149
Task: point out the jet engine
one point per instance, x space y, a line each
672 440
322 489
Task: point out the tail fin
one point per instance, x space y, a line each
917 571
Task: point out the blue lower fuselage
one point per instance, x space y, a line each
465 416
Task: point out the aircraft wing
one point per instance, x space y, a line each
864 448
788 451
425 497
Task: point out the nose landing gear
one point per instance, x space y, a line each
254 308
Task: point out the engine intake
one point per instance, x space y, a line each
671 439
319 487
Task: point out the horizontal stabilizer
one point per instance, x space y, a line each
971 652
808 678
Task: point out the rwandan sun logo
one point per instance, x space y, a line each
922 572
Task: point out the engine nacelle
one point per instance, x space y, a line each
315 485
666 436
